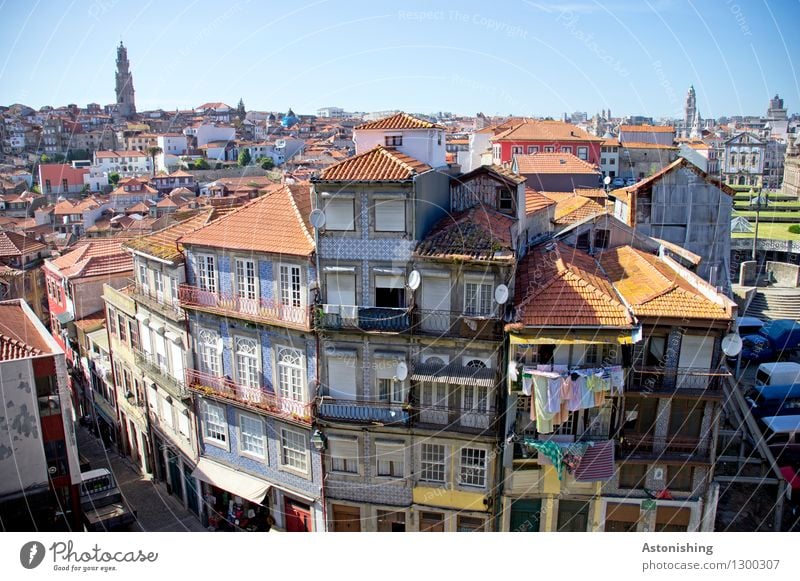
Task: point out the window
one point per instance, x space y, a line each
390 459
294 451
601 238
166 412
206 273
478 298
391 522
143 277
473 467
390 215
516 150
469 524
112 321
533 149
290 374
431 522
549 149
505 200
344 454
342 376
339 214
393 140
680 477
632 475
432 463
133 333
573 516
290 286
122 326
475 399
583 153
215 427
566 149
246 279
247 362
209 343
158 285
621 518
252 438
685 418
390 291
646 410
48 187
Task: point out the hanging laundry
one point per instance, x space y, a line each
617 379
539 401
554 393
527 380
551 450
599 398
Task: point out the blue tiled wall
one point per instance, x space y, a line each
225 274
266 276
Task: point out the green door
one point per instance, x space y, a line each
175 476
525 516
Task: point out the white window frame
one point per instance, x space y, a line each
347 463
208 347
300 452
247 358
246 278
290 285
583 153
472 468
341 200
143 279
249 439
215 432
207 272
516 150
483 296
291 374
566 149
381 224
433 465
390 459
533 149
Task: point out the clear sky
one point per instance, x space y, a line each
507 56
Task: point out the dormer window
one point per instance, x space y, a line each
505 201
393 140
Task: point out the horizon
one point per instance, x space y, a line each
462 60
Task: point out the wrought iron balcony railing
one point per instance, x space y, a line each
157 369
687 381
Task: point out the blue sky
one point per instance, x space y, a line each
520 57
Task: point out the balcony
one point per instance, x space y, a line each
452 418
157 370
362 412
633 445
457 324
268 311
258 399
682 381
156 301
380 319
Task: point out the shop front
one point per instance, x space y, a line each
232 500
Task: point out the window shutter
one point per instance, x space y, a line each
152 395
436 293
387 451
183 425
388 281
339 214
341 289
343 447
342 377
177 361
390 216
144 339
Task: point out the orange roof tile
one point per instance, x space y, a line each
399 121
575 208
553 163
377 164
93 257
647 128
645 145
502 172
478 233
271 223
534 201
680 162
164 243
558 285
653 288
14 244
539 130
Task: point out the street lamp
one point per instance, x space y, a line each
756 204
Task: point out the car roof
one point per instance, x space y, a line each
96 473
778 391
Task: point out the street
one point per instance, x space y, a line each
155 509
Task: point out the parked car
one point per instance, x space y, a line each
778 373
101 502
618 182
631 181
774 400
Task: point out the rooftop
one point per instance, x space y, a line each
478 233
399 121
553 163
164 243
20 337
647 128
550 131
14 244
93 257
377 164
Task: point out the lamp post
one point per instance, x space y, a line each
757 207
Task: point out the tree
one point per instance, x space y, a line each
153 152
244 157
113 178
240 112
200 163
266 163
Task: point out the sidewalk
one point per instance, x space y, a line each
155 509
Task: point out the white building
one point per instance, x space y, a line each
125 163
331 112
206 133
410 135
609 156
173 146
96 179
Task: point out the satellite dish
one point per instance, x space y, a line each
317 218
401 371
501 294
414 279
731 345
607 180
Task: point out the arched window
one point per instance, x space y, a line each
290 374
435 361
476 363
247 362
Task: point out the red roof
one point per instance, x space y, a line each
534 201
14 244
647 128
399 121
553 163
93 257
58 172
19 335
478 233
549 131
377 164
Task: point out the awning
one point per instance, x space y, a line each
142 317
571 339
230 480
454 373
65 318
597 463
782 424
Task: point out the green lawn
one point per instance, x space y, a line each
745 205
765 215
768 230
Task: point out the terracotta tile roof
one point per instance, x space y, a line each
164 243
644 145
539 130
399 121
93 257
19 335
14 244
553 163
96 319
575 208
140 208
594 193
271 223
558 285
57 172
647 128
653 288
377 164
610 142
66 207
478 233
534 201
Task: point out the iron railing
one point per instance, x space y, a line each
649 444
681 380
362 411
157 301
257 398
160 373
